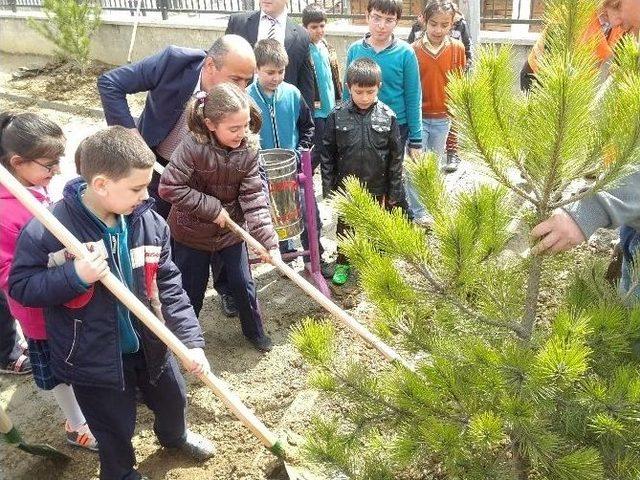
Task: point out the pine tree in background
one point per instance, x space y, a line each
69 26
502 388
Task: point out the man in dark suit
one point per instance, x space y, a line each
271 21
170 77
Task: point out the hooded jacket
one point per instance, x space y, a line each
203 178
13 217
82 322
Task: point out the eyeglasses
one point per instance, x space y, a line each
50 167
378 20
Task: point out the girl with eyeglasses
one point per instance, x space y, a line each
30 148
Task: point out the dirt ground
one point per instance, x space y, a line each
273 385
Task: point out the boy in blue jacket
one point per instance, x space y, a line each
96 344
287 119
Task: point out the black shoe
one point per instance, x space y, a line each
262 344
453 160
326 270
229 306
197 447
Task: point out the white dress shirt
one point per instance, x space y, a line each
265 25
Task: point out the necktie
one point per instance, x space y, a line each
272 27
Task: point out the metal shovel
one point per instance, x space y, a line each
13 437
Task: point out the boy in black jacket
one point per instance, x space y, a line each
96 344
362 139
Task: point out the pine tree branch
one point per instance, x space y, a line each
442 291
487 156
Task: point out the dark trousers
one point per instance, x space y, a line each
318 135
404 136
111 414
194 265
7 332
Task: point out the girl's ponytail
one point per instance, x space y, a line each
195 118
255 117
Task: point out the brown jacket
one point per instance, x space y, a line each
200 180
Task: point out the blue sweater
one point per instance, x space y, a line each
286 118
324 80
401 89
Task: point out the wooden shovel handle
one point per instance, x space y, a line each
136 307
350 322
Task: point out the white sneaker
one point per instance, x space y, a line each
81 437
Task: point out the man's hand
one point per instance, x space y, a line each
91 268
199 363
221 219
557 234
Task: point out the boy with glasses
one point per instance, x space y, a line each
400 87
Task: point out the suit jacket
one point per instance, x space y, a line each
296 42
170 76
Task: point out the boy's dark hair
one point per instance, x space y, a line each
113 152
437 6
389 7
313 13
30 136
364 72
270 52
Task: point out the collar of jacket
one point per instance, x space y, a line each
393 43
353 108
263 97
72 197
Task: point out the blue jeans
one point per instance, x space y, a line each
434 138
630 243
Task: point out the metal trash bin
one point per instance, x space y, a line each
281 167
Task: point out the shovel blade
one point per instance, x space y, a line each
43 451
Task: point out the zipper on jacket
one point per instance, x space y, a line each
75 339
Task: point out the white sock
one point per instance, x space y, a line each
69 405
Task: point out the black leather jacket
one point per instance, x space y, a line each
365 144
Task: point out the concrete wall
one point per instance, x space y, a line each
111 42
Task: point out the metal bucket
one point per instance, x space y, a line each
284 192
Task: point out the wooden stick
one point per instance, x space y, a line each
122 293
326 303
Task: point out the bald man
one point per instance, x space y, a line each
171 77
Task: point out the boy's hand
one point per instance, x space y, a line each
199 363
221 219
91 268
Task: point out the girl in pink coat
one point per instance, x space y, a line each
30 148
